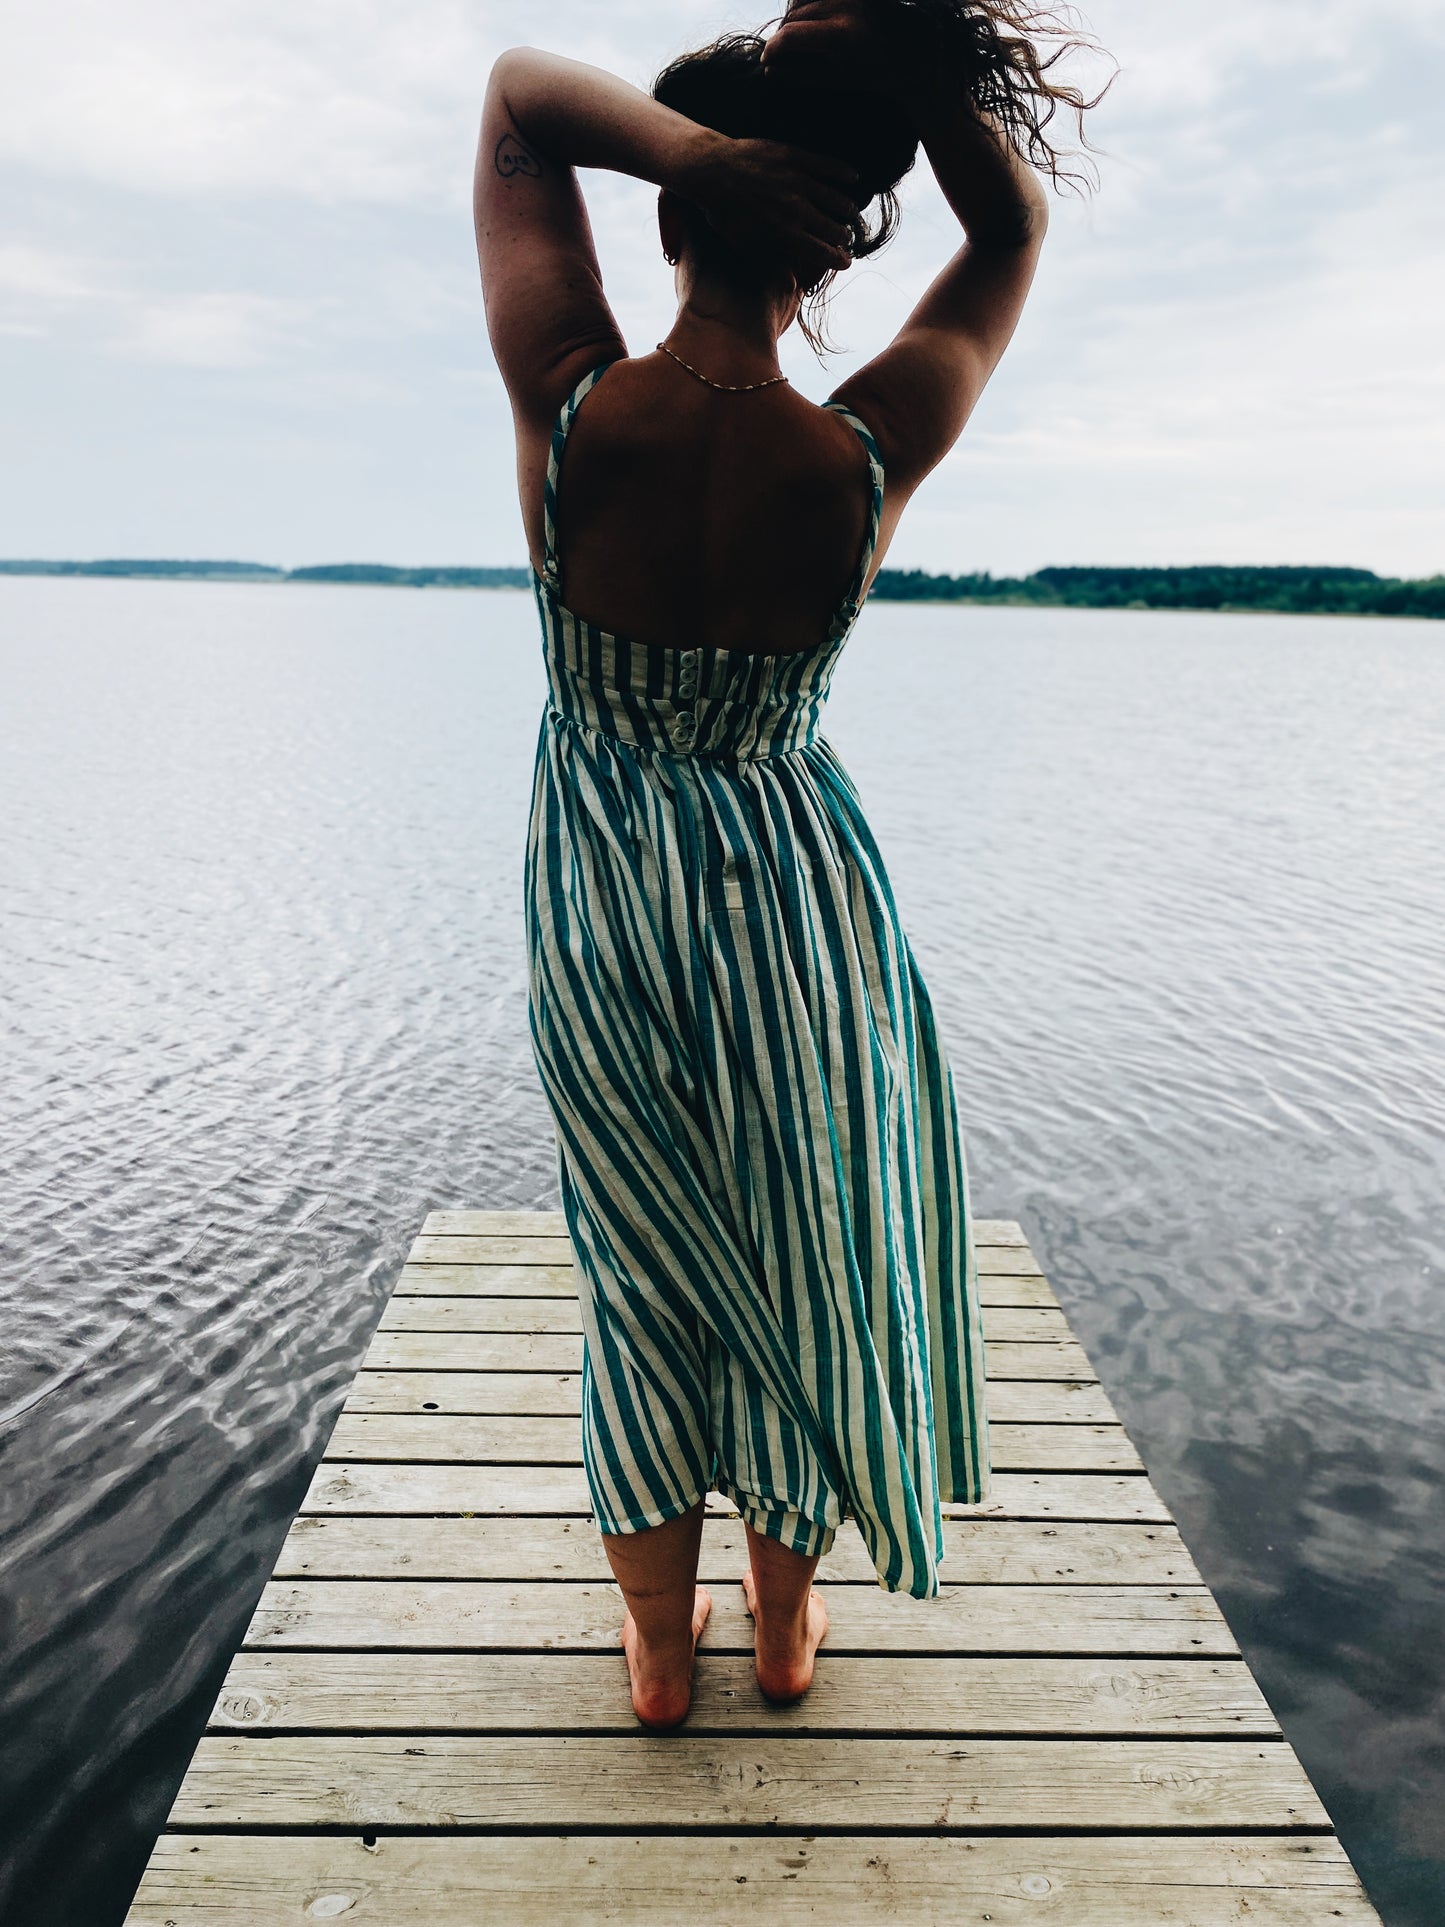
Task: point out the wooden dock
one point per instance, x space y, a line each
429 1721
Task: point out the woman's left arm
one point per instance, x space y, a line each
545 117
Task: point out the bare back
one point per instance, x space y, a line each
688 516
691 517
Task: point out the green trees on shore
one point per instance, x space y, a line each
372 572
1291 590
379 572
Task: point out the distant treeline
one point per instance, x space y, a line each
247 571
372 572
413 578
1295 591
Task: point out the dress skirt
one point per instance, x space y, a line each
758 1144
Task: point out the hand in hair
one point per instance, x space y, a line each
784 202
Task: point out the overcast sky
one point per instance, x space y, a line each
239 313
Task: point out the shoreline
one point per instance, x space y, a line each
1065 588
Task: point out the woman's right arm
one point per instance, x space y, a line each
918 394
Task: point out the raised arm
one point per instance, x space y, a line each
544 118
917 395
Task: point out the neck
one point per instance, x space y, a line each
731 334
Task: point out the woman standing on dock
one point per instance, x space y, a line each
758 1147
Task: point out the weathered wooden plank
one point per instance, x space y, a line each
490 1251
557 1490
996 1260
1016 1324
540 1394
558 1352
527 1394
1012 1261
476 1490
558 1281
978 1552
444 1351
477 1314
998 1231
495 1224
553 1224
449 1780
400 1437
566 1617
199 1879
1014 1495
587 1692
496 1281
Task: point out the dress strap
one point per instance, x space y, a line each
561 428
847 612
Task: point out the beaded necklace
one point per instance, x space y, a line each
724 387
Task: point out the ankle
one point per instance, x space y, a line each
784 1623
664 1649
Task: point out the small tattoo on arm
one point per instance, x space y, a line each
512 158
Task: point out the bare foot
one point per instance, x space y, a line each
662 1682
784 1659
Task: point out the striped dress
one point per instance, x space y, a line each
758 1149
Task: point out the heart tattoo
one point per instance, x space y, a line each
512 158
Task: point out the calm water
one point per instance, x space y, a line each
1177 884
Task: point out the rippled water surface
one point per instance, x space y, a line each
1177 885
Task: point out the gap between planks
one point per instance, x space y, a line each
991 1260
586 1616
977 1552
435 1438
715 1784
553 1224
497 1280
578 1692
560 1354
543 1395
554 1491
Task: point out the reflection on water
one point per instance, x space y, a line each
1175 882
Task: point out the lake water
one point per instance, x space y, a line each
1177 885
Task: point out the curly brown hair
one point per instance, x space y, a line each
1001 52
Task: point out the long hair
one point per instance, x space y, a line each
1000 54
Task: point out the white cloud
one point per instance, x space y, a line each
42 290
211 330
42 278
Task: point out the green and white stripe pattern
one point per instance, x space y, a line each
758 1145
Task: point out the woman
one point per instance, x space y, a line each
758 1148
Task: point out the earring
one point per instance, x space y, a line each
671 259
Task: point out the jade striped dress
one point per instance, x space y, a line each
758 1150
